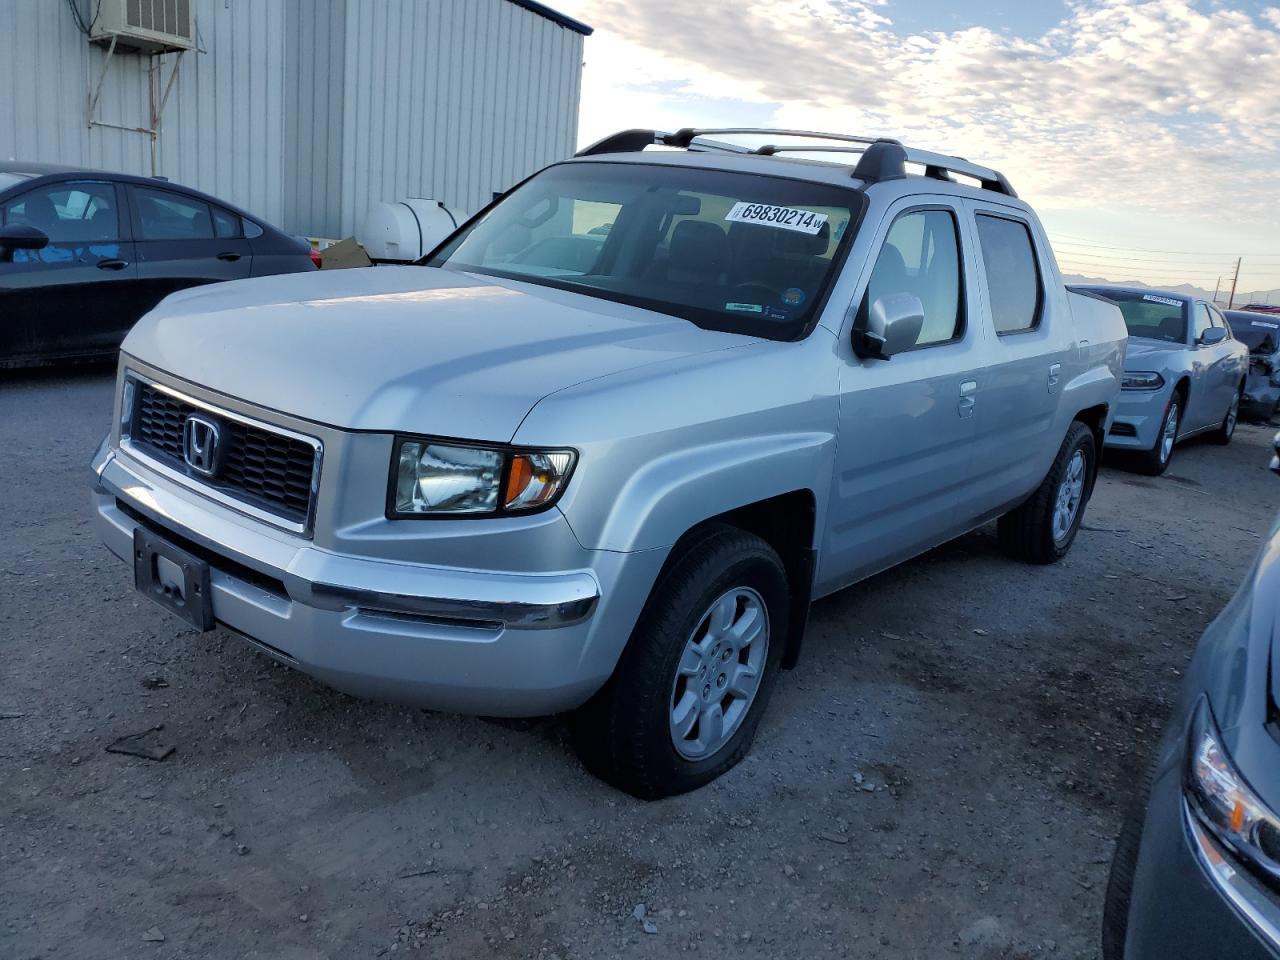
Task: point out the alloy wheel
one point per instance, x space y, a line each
1070 496
1169 434
719 673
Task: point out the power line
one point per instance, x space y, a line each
1138 272
1095 254
1107 256
1076 240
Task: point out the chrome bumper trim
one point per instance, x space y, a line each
561 603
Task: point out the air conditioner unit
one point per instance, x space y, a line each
153 26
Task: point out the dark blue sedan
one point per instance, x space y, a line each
1196 872
84 254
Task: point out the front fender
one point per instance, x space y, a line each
666 446
675 491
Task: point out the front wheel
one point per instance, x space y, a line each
1044 527
1155 461
684 702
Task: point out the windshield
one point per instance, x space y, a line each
728 251
1149 315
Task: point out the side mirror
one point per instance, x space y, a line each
1211 336
21 236
892 324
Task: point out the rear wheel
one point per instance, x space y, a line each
1043 529
1156 460
684 702
1227 429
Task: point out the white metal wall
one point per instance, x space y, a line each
453 99
221 131
307 112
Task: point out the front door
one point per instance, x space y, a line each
1207 405
76 296
184 242
1231 367
906 424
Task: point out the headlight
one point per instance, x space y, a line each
1141 380
431 478
1224 803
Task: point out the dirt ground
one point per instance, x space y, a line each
941 776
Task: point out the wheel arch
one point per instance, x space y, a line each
1095 418
787 522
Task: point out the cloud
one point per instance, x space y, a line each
1159 105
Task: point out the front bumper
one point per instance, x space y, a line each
472 641
1139 417
1184 905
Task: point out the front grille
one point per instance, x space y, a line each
255 465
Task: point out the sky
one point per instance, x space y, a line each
1146 134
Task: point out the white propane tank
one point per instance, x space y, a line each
405 230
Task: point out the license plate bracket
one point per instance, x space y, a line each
172 577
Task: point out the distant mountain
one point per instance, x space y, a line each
1190 290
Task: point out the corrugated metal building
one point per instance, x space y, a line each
306 112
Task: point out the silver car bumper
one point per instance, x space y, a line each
472 641
1139 417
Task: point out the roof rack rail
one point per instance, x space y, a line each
879 158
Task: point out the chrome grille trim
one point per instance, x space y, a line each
134 382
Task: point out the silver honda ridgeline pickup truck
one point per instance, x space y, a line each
603 448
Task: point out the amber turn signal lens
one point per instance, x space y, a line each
534 479
518 478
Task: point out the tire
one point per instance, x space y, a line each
1124 866
626 734
1043 528
1226 430
1155 461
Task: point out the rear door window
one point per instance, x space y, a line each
225 224
1013 275
164 215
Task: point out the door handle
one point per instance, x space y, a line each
229 256
967 389
112 264
1054 370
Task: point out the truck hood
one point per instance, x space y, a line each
409 349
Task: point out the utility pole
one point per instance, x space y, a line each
1231 301
1216 287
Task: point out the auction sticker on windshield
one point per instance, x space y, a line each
1166 300
788 218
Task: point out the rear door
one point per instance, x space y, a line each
1018 430
182 241
77 296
